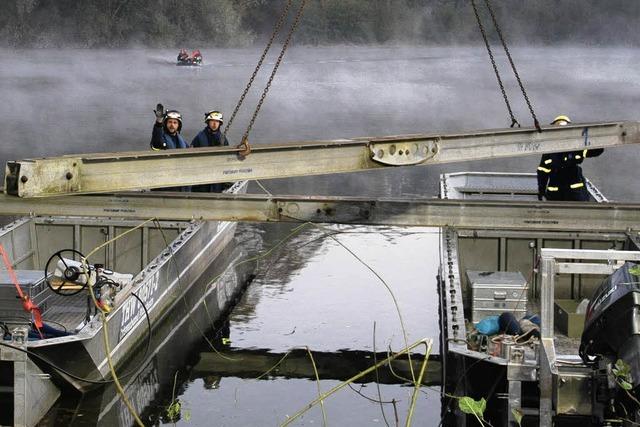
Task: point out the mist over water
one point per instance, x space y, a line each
77 101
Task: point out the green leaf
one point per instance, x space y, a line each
635 270
517 414
622 366
622 371
625 385
173 410
473 407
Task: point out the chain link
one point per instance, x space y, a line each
276 30
513 65
514 121
273 73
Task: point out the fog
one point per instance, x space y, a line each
77 101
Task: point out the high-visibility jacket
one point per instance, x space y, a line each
561 172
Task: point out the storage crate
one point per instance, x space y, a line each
32 284
567 320
494 292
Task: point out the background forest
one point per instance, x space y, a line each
233 23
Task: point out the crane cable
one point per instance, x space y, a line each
514 121
276 30
245 148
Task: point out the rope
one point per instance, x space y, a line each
513 65
105 332
273 73
514 121
276 30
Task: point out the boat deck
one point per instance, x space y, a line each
68 312
506 251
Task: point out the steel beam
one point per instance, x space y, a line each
592 254
115 172
469 214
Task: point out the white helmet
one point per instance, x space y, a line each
173 114
213 115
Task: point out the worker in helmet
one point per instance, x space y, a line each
166 131
560 175
166 134
211 136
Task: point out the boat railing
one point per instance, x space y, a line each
565 261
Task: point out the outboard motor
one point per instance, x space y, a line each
612 321
612 332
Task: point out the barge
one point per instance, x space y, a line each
541 379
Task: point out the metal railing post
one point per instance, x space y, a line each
547 350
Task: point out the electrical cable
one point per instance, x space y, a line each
53 365
295 231
103 316
107 348
386 285
460 378
375 362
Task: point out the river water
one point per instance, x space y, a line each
312 291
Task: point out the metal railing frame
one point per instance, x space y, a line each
550 266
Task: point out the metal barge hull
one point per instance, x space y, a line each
165 258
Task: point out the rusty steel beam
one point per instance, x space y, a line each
469 214
117 172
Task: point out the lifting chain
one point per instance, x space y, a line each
513 65
276 30
514 121
244 146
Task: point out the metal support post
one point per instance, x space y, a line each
547 349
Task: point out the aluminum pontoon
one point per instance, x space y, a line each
164 259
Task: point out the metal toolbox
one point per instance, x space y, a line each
32 284
494 292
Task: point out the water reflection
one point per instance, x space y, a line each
297 363
314 292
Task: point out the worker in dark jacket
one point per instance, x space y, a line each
211 136
166 134
166 131
559 174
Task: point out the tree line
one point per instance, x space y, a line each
234 23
